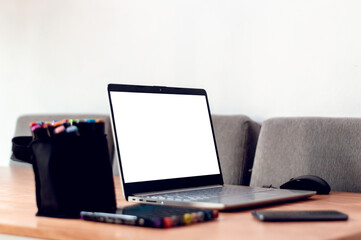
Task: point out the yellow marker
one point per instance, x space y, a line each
187 218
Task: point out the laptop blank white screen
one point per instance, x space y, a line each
163 136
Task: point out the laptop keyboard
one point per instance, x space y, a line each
206 194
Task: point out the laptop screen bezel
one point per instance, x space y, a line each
130 189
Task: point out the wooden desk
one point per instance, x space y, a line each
18 208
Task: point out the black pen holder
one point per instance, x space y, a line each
72 174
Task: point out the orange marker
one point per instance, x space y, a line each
56 124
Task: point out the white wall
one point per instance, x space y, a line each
260 58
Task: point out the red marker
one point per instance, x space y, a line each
215 213
32 124
167 222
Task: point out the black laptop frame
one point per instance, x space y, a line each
168 184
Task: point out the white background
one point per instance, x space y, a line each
259 58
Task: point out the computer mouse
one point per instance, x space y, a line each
308 182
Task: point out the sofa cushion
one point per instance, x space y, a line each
326 147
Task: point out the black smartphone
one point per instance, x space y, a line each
285 216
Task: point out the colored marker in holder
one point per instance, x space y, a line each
39 132
72 130
71 127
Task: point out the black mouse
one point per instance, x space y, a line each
308 182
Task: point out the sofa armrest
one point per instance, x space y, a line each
236 138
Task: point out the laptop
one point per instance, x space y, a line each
167 151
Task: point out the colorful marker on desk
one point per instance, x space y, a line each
200 215
194 217
176 220
187 219
168 222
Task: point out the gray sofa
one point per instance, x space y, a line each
272 154
236 138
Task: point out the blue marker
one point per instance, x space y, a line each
72 130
